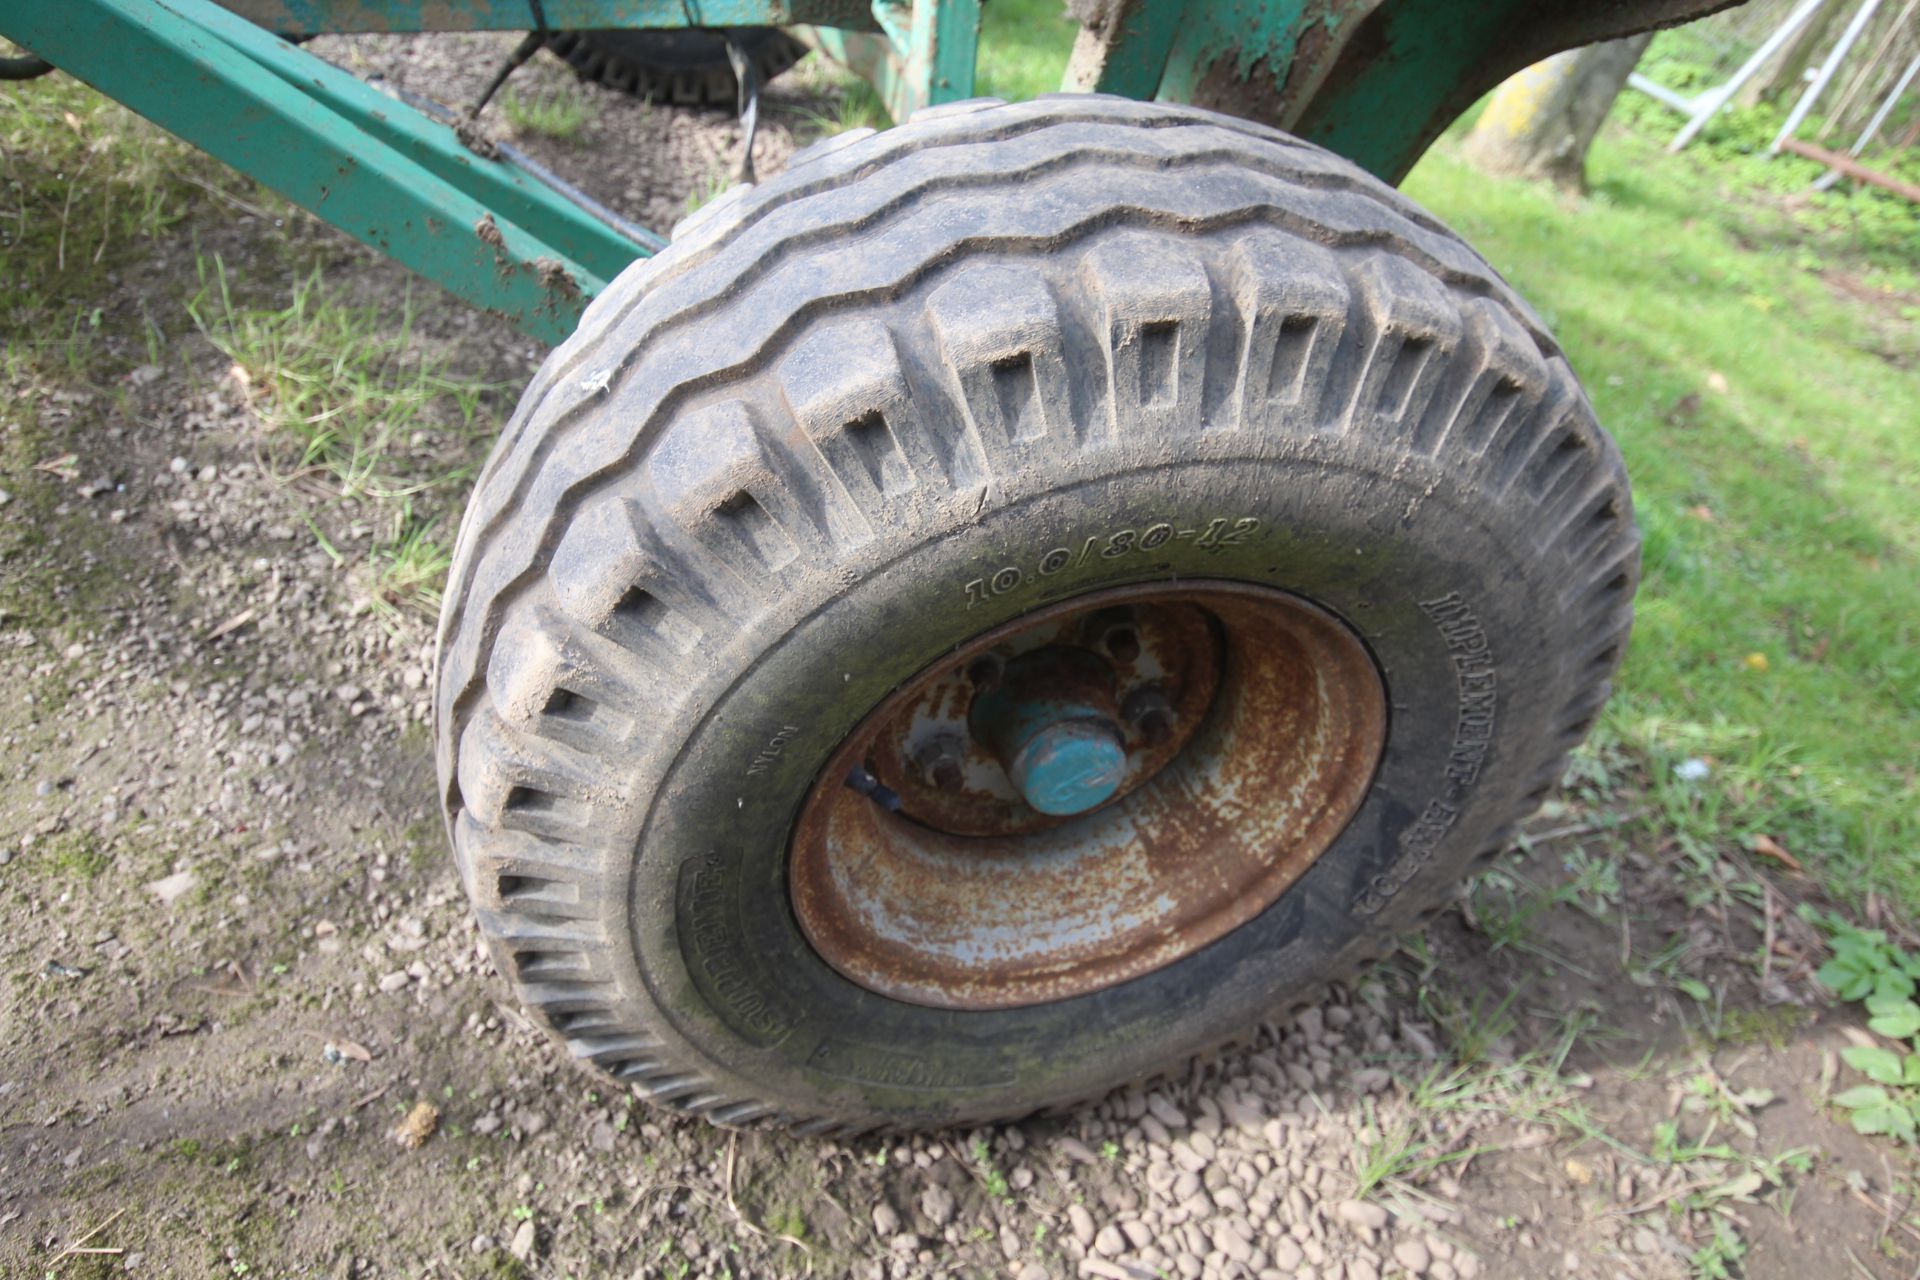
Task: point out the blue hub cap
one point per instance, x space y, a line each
1051 724
1070 766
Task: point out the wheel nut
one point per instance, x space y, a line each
943 763
1123 643
1150 713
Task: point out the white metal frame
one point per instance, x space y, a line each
1707 104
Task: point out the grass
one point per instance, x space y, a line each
1023 48
75 856
1766 412
857 105
711 186
1390 1152
87 190
84 185
346 395
557 111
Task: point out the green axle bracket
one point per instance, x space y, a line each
1373 80
922 53
375 167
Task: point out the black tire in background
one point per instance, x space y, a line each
685 67
828 436
28 67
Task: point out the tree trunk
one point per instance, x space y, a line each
1786 71
1541 121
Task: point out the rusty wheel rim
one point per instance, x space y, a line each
1251 723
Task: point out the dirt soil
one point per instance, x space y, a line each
249 1030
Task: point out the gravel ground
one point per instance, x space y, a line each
250 1030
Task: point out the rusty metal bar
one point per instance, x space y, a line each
1852 168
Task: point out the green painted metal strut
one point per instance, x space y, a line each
1373 80
924 52
372 166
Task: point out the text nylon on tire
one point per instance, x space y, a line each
1009 604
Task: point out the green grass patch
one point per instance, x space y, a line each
1023 48
87 184
556 110
353 400
73 855
1874 228
712 186
859 107
1763 389
853 103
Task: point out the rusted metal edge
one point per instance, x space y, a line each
1843 163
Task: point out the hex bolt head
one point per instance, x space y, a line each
1111 632
1150 713
1156 727
984 672
943 763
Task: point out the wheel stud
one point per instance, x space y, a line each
943 763
1112 632
1150 713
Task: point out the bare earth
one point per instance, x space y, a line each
248 1029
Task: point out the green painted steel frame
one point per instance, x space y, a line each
372 166
923 54
1373 80
914 52
393 177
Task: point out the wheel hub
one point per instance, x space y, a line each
1086 794
1050 722
1057 716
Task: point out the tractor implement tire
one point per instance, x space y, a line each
1199 431
679 67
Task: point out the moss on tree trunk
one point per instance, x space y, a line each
1542 120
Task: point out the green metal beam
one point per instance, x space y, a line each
1373 80
1422 55
946 47
1127 55
372 166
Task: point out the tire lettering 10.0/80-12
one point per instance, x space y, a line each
1221 531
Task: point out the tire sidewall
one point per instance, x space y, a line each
1437 579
